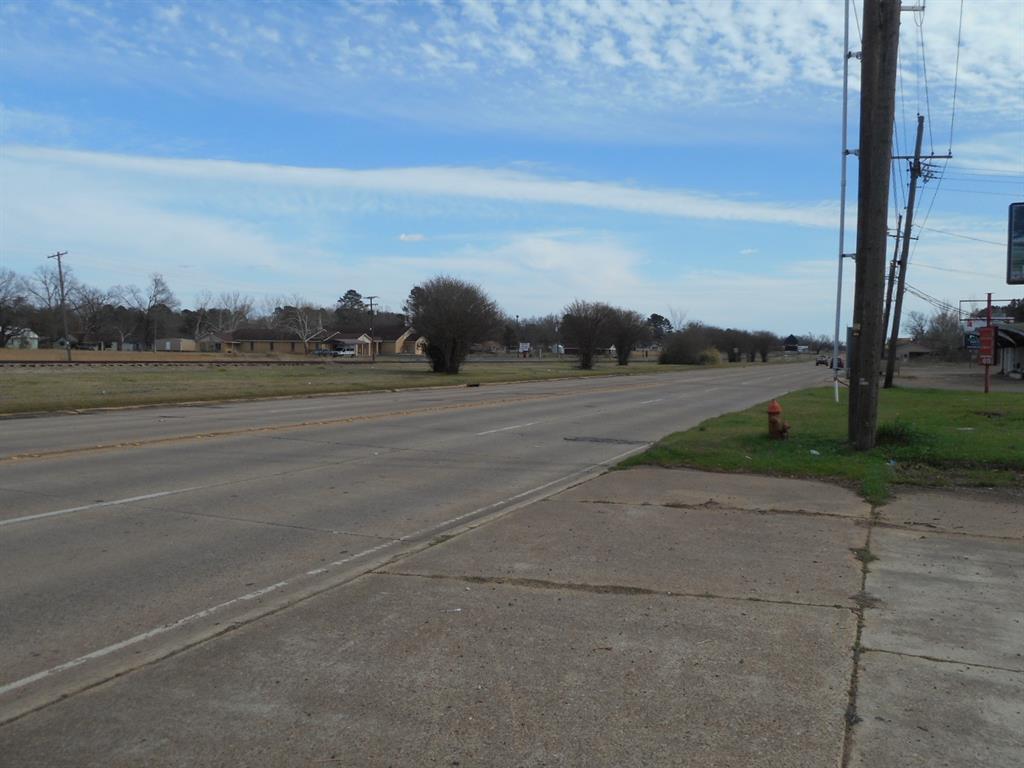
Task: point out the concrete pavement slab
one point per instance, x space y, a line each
956 598
719 552
409 671
689 487
924 714
975 512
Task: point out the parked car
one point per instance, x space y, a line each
343 353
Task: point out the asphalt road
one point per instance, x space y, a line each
130 535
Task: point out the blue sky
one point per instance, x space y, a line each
680 158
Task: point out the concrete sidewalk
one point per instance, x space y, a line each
646 618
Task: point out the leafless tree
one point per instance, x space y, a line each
586 325
626 329
156 300
14 305
89 306
233 311
302 318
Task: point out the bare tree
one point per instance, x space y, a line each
44 293
232 311
626 329
301 318
14 306
89 306
453 314
586 325
153 304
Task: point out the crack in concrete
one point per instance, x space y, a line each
936 529
604 589
712 504
863 601
939 660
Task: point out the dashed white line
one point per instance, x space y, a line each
648 402
99 504
164 628
505 429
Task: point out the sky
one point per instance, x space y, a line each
680 158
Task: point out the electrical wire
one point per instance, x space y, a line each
963 237
924 69
956 75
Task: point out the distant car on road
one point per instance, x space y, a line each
826 360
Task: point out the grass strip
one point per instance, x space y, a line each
927 437
25 390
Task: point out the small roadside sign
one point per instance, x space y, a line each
987 348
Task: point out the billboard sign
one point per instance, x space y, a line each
972 342
1015 245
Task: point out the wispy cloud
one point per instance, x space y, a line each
450 182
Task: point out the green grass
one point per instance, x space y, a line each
927 437
51 389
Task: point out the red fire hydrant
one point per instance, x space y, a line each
777 428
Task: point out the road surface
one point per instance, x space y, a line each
130 535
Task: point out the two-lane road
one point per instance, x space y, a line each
128 535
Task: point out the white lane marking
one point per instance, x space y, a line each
164 628
99 504
133 640
648 402
504 429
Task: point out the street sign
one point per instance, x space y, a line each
1015 245
987 349
972 342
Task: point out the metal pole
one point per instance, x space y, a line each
988 323
842 200
63 301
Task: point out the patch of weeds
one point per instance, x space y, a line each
897 432
874 485
864 554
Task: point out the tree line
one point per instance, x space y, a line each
455 317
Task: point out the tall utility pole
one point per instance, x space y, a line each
373 341
915 174
877 110
63 299
892 277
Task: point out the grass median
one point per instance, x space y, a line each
926 437
58 388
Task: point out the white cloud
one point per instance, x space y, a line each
412 238
452 182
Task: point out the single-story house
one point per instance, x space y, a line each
911 350
175 345
24 339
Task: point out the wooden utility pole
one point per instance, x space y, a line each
892 276
373 341
63 300
877 110
915 174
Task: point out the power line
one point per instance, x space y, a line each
956 75
964 237
1008 193
924 69
979 180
